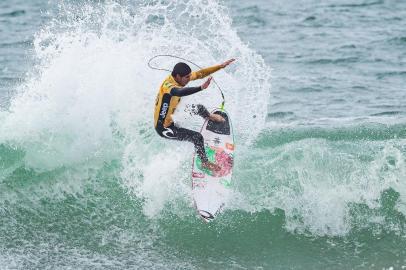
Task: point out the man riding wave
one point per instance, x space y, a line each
168 98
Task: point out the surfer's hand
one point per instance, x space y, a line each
226 63
206 83
216 118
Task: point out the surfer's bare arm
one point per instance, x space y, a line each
206 83
200 74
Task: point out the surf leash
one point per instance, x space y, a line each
186 60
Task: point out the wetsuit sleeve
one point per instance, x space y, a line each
185 91
200 74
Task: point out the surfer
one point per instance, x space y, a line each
169 95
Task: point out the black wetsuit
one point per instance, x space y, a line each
182 134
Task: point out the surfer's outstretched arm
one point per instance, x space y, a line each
200 74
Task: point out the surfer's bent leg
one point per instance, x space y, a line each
197 139
183 134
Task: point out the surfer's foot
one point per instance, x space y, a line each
211 166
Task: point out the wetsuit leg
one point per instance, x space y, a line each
183 134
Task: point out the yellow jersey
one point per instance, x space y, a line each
166 103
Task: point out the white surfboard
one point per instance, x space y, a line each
211 190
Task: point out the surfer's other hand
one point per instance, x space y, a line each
226 63
216 118
206 83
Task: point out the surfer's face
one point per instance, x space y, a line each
182 80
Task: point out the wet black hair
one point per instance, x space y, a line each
182 69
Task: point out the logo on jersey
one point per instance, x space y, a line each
164 110
168 133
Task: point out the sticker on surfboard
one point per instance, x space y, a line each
211 190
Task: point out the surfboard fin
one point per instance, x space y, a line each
206 215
